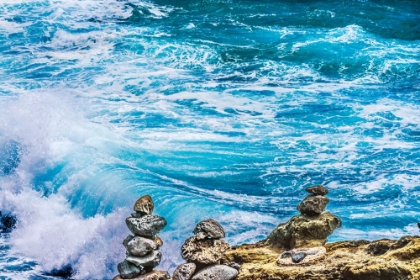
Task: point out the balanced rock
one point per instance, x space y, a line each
144 205
205 251
153 275
146 226
184 271
150 260
219 272
317 190
128 270
303 231
313 205
140 246
209 229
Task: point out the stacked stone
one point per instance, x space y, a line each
315 203
203 253
143 247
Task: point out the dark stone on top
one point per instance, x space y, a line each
317 190
219 272
298 257
146 226
129 270
184 271
313 205
209 229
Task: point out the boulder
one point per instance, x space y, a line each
140 246
144 205
205 251
128 270
313 205
153 275
150 260
317 190
184 271
303 231
219 272
209 229
146 226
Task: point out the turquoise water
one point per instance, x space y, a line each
222 109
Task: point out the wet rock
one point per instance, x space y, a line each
298 257
303 231
147 226
127 239
153 275
150 260
184 271
313 205
140 246
137 214
317 190
210 229
206 251
219 272
144 205
129 270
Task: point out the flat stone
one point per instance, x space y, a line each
219 272
150 260
184 271
128 270
298 257
146 226
206 251
140 246
153 275
313 205
210 229
144 205
301 256
317 190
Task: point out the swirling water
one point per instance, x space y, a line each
217 108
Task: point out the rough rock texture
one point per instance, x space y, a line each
219 272
310 254
303 231
150 260
206 251
140 246
128 270
313 205
147 226
158 241
144 205
347 260
317 190
210 229
153 275
184 271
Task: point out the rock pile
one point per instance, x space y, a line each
203 253
143 247
310 229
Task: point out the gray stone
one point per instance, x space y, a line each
184 271
317 190
144 205
219 272
209 229
298 257
127 239
150 260
128 270
140 246
206 251
313 205
234 265
147 226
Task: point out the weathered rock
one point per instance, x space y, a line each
184 271
206 251
140 246
128 270
158 241
313 205
219 272
234 265
150 260
146 226
298 257
301 256
127 239
317 190
210 229
376 271
144 205
153 275
378 247
303 231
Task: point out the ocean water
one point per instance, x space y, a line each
216 108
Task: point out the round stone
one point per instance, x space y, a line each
298 257
144 205
146 226
317 190
150 260
128 270
313 205
209 229
140 246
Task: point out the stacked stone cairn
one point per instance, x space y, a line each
143 247
203 253
301 239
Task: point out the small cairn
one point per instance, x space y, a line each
203 253
304 235
143 247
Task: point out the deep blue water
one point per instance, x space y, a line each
222 109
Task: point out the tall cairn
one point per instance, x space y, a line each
143 246
203 253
